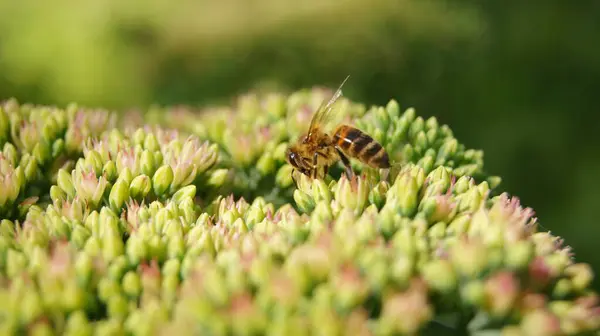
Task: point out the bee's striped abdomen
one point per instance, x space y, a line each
360 145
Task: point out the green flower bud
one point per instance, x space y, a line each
157 248
404 194
73 296
140 187
473 293
469 257
183 193
79 236
253 216
41 329
284 176
117 307
218 177
176 247
581 275
30 167
15 263
137 249
64 183
119 194
459 225
147 163
266 163
562 288
57 195
151 143
83 268
109 170
462 185
162 180
58 148
519 254
109 327
170 284
352 194
112 246
78 324
41 152
469 201
304 201
447 151
139 136
494 181
94 160
440 276
30 306
131 284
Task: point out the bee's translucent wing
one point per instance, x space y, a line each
324 111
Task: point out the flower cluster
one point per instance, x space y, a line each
143 230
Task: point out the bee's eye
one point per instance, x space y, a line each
292 158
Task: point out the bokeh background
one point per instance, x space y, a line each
520 80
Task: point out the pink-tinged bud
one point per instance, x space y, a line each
351 288
540 323
245 316
407 312
540 273
502 290
532 301
89 187
10 186
581 315
129 158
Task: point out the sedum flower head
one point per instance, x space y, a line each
190 223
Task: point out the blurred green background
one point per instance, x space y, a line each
519 80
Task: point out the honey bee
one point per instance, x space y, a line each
315 152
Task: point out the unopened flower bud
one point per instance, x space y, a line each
78 324
150 143
266 163
64 183
109 170
131 284
519 254
218 177
469 257
184 193
304 201
119 194
501 290
41 152
540 323
117 306
581 275
162 180
147 163
140 187
284 177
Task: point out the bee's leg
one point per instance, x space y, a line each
294 179
346 163
315 170
325 171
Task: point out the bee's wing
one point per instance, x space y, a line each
323 113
